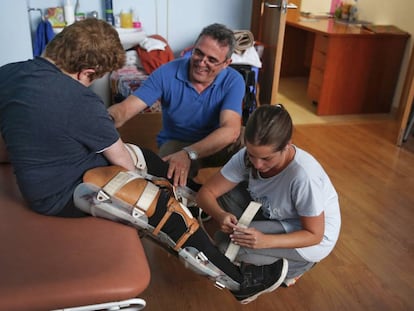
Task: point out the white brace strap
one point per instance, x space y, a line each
116 183
244 222
120 180
137 157
148 196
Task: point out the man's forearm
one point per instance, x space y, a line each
216 141
126 109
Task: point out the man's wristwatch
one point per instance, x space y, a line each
193 155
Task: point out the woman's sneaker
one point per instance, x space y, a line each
258 280
292 281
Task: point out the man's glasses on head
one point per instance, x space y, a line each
198 55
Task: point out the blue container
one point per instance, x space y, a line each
109 14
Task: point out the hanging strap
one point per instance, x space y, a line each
244 222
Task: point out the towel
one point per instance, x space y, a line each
249 57
151 44
44 34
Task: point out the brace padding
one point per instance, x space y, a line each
141 193
130 192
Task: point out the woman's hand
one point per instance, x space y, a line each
227 222
248 237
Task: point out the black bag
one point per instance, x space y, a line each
249 100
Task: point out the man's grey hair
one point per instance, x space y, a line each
223 35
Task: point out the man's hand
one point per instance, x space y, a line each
125 110
179 167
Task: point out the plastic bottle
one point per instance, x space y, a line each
335 4
126 19
79 15
117 21
69 12
135 19
109 15
353 12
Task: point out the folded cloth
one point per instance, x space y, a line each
44 34
132 59
249 57
244 40
151 44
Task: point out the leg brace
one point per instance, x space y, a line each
123 196
140 193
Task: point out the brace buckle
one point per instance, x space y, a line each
136 213
219 285
201 257
102 196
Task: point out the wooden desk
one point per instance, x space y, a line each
351 70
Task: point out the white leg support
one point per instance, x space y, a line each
199 263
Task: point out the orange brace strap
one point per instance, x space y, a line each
173 206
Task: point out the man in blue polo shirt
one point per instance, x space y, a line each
201 100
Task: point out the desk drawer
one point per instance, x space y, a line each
319 60
321 43
313 91
316 76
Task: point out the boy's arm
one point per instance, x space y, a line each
4 155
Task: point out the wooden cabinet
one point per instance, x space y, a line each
352 70
318 67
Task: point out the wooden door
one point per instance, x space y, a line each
406 103
268 27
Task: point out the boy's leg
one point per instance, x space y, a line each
246 284
236 200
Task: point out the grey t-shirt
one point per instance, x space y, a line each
302 189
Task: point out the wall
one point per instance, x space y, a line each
398 13
179 21
316 6
15 45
